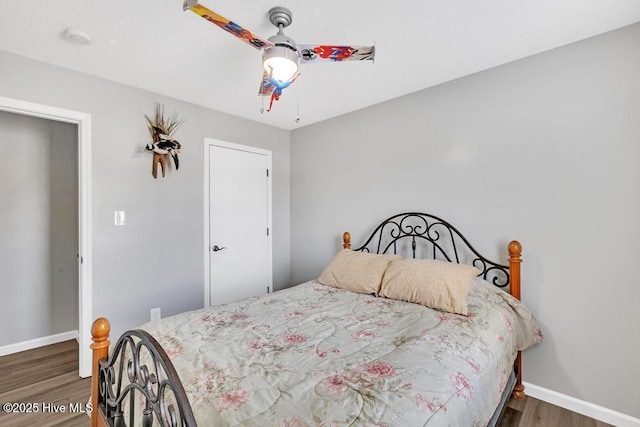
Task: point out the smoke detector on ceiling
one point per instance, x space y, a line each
77 36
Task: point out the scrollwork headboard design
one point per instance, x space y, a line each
139 375
422 235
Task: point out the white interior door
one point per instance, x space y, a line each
239 247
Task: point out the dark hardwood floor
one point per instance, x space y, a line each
50 375
532 412
47 375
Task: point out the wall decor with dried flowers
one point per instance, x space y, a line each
164 144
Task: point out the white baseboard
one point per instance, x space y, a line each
38 342
588 409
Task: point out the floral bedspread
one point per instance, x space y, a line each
312 355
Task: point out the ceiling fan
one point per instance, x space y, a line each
281 55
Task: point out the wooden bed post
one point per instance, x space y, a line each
515 252
100 336
346 240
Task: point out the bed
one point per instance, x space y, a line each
321 354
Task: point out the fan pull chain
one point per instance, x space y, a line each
297 117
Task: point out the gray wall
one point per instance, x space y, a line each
38 228
544 150
156 260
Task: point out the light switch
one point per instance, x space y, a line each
119 218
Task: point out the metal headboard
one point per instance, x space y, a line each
422 235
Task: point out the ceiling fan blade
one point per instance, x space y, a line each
326 53
242 33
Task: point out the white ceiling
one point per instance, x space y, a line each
153 44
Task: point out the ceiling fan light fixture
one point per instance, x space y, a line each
281 62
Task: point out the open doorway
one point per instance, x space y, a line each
81 126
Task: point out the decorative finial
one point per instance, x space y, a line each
515 249
100 329
346 240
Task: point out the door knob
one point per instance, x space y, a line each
216 248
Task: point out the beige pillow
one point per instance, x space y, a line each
437 284
359 272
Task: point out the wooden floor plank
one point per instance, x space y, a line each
517 404
36 373
22 394
47 375
510 417
44 419
40 353
538 413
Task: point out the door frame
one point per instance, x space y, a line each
210 142
85 286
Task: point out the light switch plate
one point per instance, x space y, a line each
119 218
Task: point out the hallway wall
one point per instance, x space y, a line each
39 228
